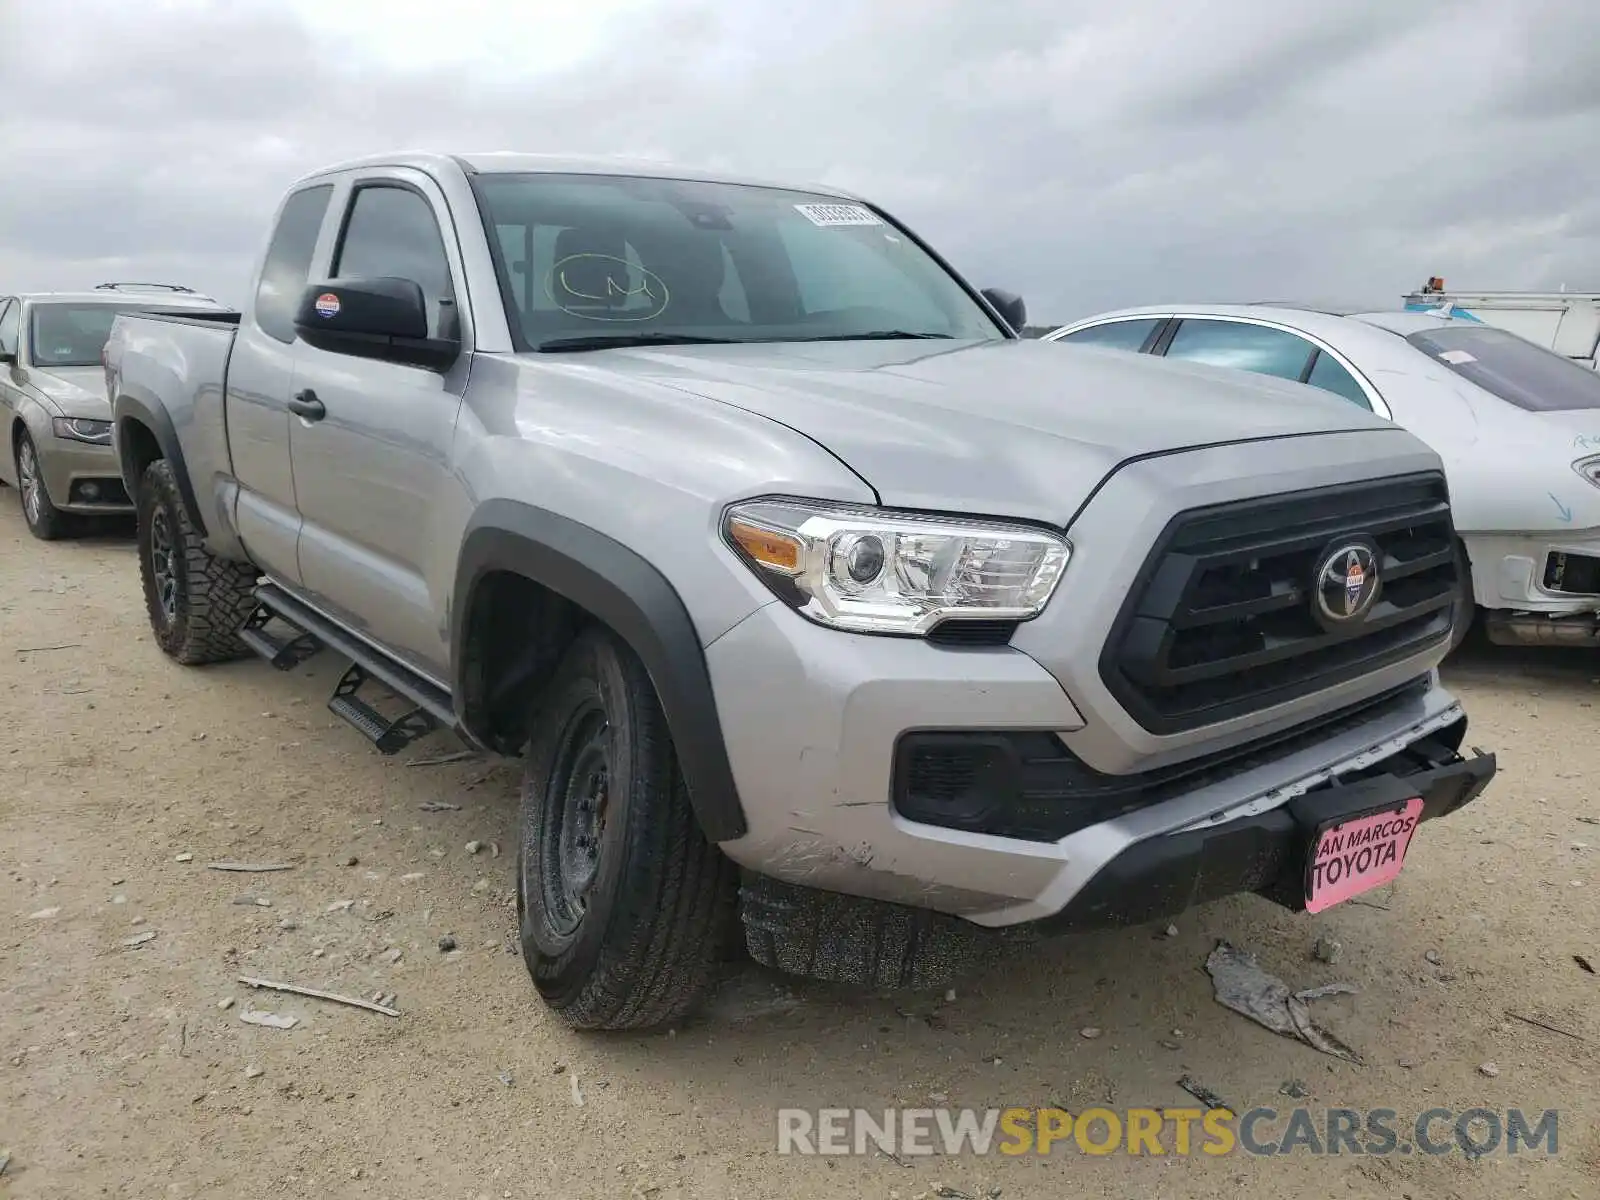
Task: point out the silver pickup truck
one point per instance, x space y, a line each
821 608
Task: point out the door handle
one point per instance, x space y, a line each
305 404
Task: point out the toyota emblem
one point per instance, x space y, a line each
1347 584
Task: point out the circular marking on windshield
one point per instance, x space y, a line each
575 296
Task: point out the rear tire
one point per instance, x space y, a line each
197 602
624 907
45 521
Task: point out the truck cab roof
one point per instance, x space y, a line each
516 162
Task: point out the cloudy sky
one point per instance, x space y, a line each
1086 154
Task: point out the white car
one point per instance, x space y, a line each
1518 428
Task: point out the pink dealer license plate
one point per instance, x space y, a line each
1355 855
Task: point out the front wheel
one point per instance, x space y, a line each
45 521
197 602
623 904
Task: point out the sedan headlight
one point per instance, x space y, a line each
76 429
869 570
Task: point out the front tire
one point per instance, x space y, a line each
197 602
45 521
623 905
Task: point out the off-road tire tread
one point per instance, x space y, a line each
676 895
852 940
216 595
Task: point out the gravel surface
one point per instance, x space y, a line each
133 1063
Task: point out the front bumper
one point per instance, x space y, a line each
1265 853
812 717
1554 573
82 478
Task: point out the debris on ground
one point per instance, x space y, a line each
1202 1093
474 847
44 914
440 760
350 860
1327 950
317 994
393 955
447 944
255 1016
184 857
257 901
1172 931
249 868
1432 956
505 1078
1295 1089
439 806
1242 985
1534 1021
577 1092
254 1072
340 906
1489 1069
1089 1032
140 939
225 1003
1585 964
945 1192
5 1160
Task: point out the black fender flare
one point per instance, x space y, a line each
622 589
125 410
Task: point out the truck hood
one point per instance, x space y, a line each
75 391
1015 428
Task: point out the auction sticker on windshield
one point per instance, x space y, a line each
1354 856
837 214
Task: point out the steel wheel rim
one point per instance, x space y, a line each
163 570
28 479
571 854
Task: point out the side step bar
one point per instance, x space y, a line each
434 707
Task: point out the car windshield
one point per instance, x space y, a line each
589 261
71 335
1513 368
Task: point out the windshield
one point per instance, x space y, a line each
1513 368
71 335
591 260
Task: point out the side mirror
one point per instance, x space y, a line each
384 318
1009 305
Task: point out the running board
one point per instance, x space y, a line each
434 707
283 653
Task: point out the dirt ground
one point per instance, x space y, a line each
123 775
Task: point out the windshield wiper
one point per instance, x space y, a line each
870 335
613 341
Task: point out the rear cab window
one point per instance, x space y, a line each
287 266
1512 368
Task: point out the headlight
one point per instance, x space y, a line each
76 429
873 571
1589 468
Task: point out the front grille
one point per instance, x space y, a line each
1222 619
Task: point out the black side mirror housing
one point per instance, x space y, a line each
384 318
1009 305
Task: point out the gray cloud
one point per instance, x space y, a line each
1088 155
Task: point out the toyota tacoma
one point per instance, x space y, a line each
825 613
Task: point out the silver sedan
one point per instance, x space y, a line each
1518 428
